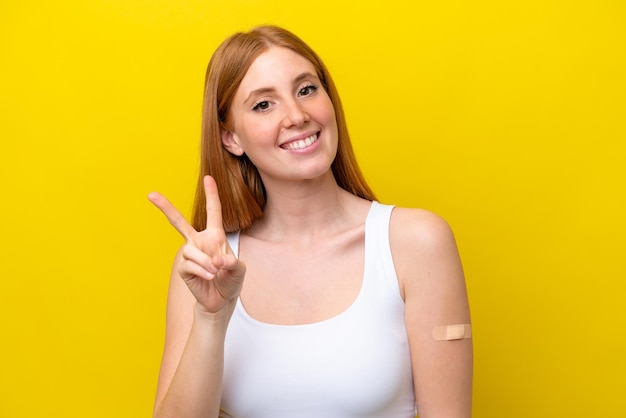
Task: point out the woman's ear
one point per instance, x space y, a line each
231 142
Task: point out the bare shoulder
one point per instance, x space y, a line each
420 229
423 247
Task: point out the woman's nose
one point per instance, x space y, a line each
295 115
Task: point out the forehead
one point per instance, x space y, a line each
274 67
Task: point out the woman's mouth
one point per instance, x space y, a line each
301 143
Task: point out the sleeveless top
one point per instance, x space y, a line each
355 364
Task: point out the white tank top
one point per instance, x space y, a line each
355 364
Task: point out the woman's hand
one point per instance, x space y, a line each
208 266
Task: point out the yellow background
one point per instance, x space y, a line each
507 118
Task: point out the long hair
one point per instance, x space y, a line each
239 183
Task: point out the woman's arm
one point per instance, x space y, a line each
205 284
190 378
433 286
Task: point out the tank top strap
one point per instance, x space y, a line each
378 258
233 241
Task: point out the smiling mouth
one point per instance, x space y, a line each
302 143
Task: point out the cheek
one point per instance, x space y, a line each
328 113
257 133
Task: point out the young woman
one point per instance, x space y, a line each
296 294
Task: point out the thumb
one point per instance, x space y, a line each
231 264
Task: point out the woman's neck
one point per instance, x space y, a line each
306 210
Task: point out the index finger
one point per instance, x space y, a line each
172 214
213 204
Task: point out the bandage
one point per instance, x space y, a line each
452 332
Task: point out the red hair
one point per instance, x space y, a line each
239 184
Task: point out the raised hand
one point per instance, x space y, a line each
208 266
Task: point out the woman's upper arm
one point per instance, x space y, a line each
179 318
433 287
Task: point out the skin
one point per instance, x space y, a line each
304 258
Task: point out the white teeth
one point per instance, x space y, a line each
303 143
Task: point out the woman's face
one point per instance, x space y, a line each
282 118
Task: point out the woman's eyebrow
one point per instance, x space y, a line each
265 90
303 76
257 92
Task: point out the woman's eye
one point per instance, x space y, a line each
307 90
263 105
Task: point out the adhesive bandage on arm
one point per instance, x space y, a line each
452 332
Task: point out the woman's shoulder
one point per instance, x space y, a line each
419 227
424 251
